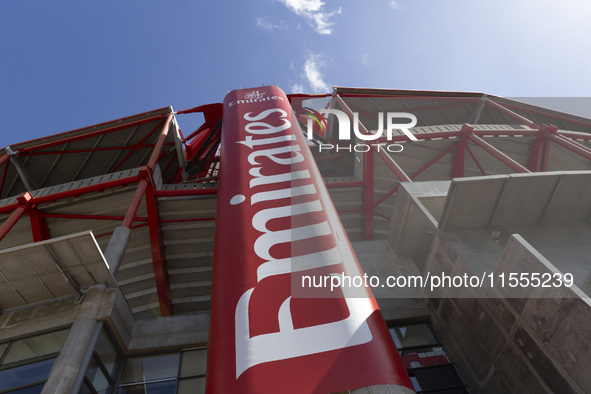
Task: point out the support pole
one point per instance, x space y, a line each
38 225
120 238
65 371
159 263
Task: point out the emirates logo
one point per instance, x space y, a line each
254 95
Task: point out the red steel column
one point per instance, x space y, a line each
159 263
38 225
275 225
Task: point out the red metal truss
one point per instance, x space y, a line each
497 154
571 145
538 154
22 206
146 189
391 163
158 257
106 130
38 225
521 119
133 148
475 160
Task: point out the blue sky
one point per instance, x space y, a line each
69 64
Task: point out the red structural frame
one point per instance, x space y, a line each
538 160
205 183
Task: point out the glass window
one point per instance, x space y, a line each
168 387
26 363
437 378
3 348
25 374
107 353
97 378
428 366
193 363
30 390
145 369
191 386
413 335
37 346
175 373
424 357
102 367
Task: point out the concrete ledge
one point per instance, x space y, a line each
169 333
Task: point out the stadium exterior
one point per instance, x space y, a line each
107 244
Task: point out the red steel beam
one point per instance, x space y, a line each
537 112
452 134
497 154
514 115
91 134
75 192
86 189
22 207
574 135
38 225
459 158
159 263
11 221
539 153
384 197
415 174
392 165
89 217
208 191
432 161
133 148
475 160
187 220
144 224
459 155
430 98
572 146
160 143
140 191
144 183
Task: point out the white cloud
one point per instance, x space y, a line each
312 11
303 5
364 59
297 88
314 76
394 4
265 24
311 78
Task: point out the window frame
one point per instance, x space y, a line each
438 343
32 360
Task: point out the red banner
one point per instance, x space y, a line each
275 224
